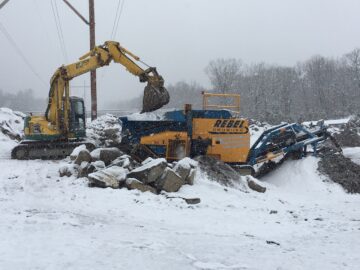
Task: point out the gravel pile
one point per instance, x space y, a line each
340 169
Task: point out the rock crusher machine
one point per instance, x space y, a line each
217 131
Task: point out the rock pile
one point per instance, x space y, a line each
105 131
11 124
109 167
349 134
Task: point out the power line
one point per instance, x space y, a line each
59 29
43 25
115 19
19 52
118 19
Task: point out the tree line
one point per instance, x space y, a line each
317 88
23 100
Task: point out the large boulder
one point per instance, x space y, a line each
149 172
113 177
124 161
99 165
84 155
183 169
132 183
169 181
85 169
76 151
109 154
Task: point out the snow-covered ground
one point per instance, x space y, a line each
302 221
48 222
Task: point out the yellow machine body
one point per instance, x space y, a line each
229 139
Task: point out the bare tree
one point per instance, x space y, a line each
223 73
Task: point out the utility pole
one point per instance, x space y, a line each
93 72
3 3
91 24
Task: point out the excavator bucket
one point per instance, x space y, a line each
154 98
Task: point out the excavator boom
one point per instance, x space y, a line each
155 94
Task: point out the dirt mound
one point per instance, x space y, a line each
219 171
340 169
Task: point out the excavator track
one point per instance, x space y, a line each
46 150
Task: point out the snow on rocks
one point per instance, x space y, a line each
132 183
125 161
346 133
169 181
83 156
149 172
107 155
113 177
104 131
68 170
109 167
11 123
11 130
185 168
76 151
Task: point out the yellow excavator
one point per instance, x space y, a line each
62 128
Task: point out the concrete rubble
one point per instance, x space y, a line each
109 167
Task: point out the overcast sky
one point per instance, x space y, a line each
179 37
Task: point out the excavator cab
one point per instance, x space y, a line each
77 117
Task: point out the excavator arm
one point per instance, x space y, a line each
155 94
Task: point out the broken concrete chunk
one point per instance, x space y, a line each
85 169
192 200
147 160
191 177
132 183
95 154
149 172
109 154
112 177
255 186
76 151
169 181
84 155
98 165
184 166
182 171
124 161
